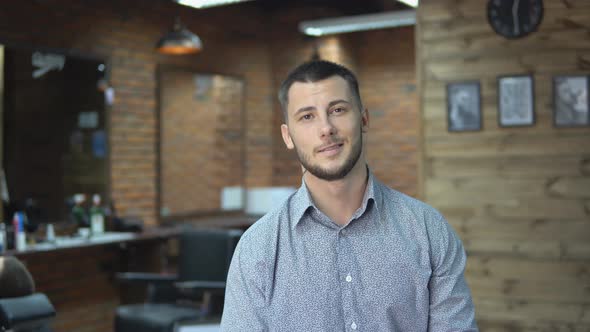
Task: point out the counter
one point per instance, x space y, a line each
77 275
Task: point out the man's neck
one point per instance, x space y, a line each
341 198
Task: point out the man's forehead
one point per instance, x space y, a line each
334 80
335 85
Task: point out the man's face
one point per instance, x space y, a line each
325 127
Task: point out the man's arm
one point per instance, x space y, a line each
451 306
244 296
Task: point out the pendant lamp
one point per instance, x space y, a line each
179 41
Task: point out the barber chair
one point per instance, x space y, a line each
30 313
194 294
21 309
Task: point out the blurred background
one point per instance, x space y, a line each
91 106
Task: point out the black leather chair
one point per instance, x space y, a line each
21 309
195 293
30 313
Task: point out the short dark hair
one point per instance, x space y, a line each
314 71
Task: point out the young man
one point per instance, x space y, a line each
345 252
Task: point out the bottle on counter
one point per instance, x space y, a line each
20 238
50 234
96 216
79 213
3 242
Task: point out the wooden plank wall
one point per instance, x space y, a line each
518 197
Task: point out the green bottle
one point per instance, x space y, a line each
96 216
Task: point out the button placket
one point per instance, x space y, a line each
346 275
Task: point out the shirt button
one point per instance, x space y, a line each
353 326
348 279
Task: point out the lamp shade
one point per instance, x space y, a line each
179 41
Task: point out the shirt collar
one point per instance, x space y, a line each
302 200
299 204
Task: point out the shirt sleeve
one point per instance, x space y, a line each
451 306
244 294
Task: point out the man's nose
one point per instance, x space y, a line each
327 128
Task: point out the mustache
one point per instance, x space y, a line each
332 142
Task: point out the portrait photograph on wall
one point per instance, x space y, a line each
463 106
516 105
570 101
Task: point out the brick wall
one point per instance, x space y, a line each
387 76
201 134
125 34
237 41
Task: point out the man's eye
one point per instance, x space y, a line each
306 117
338 110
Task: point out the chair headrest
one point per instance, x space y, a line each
25 312
15 279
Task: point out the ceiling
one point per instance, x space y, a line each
347 7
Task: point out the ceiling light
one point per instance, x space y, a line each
413 3
207 3
179 41
358 23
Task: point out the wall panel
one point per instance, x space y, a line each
518 197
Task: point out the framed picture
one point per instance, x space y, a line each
516 105
463 106
570 101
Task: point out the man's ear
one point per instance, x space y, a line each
287 137
365 120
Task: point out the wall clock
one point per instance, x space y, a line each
515 18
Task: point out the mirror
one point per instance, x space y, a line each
201 143
53 129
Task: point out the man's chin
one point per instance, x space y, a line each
328 174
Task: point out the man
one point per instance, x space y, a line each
343 253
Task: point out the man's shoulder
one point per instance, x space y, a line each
264 224
398 200
416 214
268 226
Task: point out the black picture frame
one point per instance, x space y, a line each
571 105
464 106
516 101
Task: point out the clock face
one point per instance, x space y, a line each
515 18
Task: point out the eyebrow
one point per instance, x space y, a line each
311 108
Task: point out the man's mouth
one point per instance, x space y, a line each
331 147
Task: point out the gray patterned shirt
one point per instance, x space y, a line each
396 266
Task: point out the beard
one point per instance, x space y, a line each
332 174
